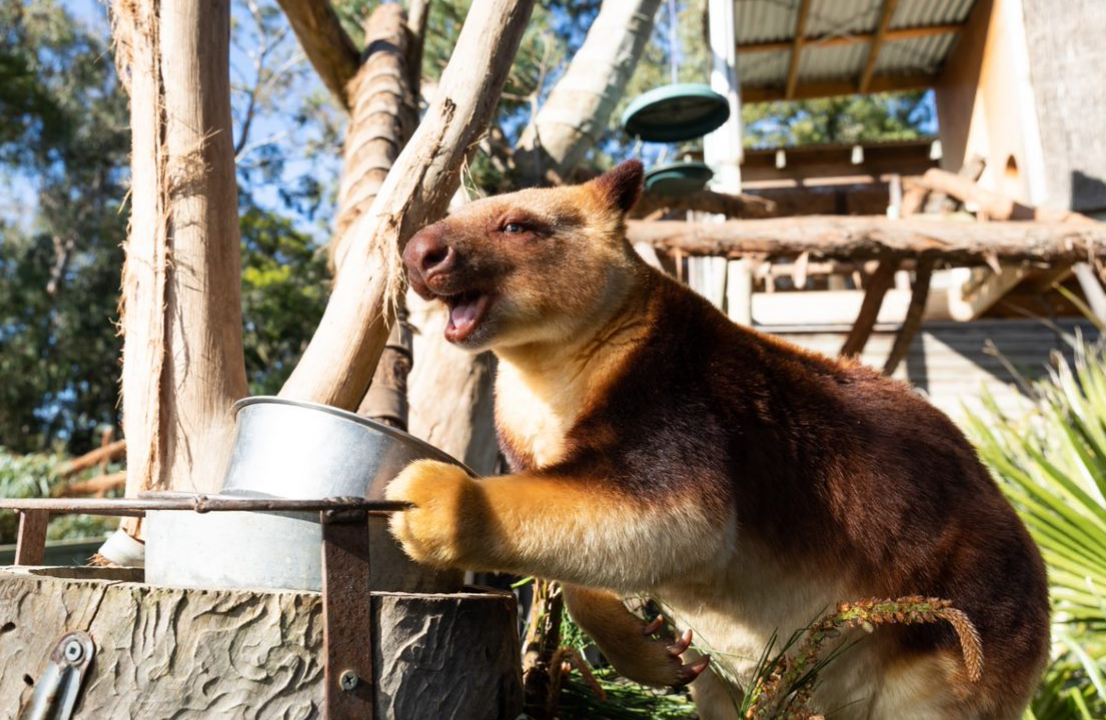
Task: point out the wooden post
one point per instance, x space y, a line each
30 547
878 285
914 314
739 291
182 321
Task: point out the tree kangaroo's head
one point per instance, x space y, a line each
535 266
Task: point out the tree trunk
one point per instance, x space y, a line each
338 364
182 322
383 117
384 114
580 104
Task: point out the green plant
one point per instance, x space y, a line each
1050 461
31 476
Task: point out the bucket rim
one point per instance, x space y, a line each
395 433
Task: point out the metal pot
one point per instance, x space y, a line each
297 450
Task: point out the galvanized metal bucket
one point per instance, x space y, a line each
297 450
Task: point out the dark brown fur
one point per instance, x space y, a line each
827 472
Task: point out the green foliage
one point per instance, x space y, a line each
34 476
63 158
1051 463
284 293
851 119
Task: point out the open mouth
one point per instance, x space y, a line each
466 311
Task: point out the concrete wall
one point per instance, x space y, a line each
1066 43
1025 88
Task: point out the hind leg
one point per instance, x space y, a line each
715 699
928 688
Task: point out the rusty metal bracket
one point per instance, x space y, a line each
59 686
347 617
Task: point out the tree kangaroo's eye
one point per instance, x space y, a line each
513 228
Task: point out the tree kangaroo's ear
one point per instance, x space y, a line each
621 186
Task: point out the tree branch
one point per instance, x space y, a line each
580 105
328 47
339 361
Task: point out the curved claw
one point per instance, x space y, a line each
677 648
653 627
690 672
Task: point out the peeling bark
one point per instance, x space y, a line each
182 323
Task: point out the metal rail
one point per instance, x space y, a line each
196 503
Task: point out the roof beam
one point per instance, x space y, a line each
876 45
839 40
833 88
797 47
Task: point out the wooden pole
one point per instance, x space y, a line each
878 285
338 364
183 363
914 314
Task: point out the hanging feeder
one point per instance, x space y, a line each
674 113
677 179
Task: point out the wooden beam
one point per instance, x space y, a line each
96 486
914 314
881 281
102 454
834 88
744 206
886 13
894 35
797 47
994 205
876 237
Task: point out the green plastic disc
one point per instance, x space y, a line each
677 179
674 113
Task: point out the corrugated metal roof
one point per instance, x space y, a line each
923 13
825 57
764 20
919 56
763 69
841 17
832 63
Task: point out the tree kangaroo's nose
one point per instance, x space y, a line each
427 253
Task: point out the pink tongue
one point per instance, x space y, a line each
463 313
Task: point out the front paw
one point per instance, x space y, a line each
433 532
